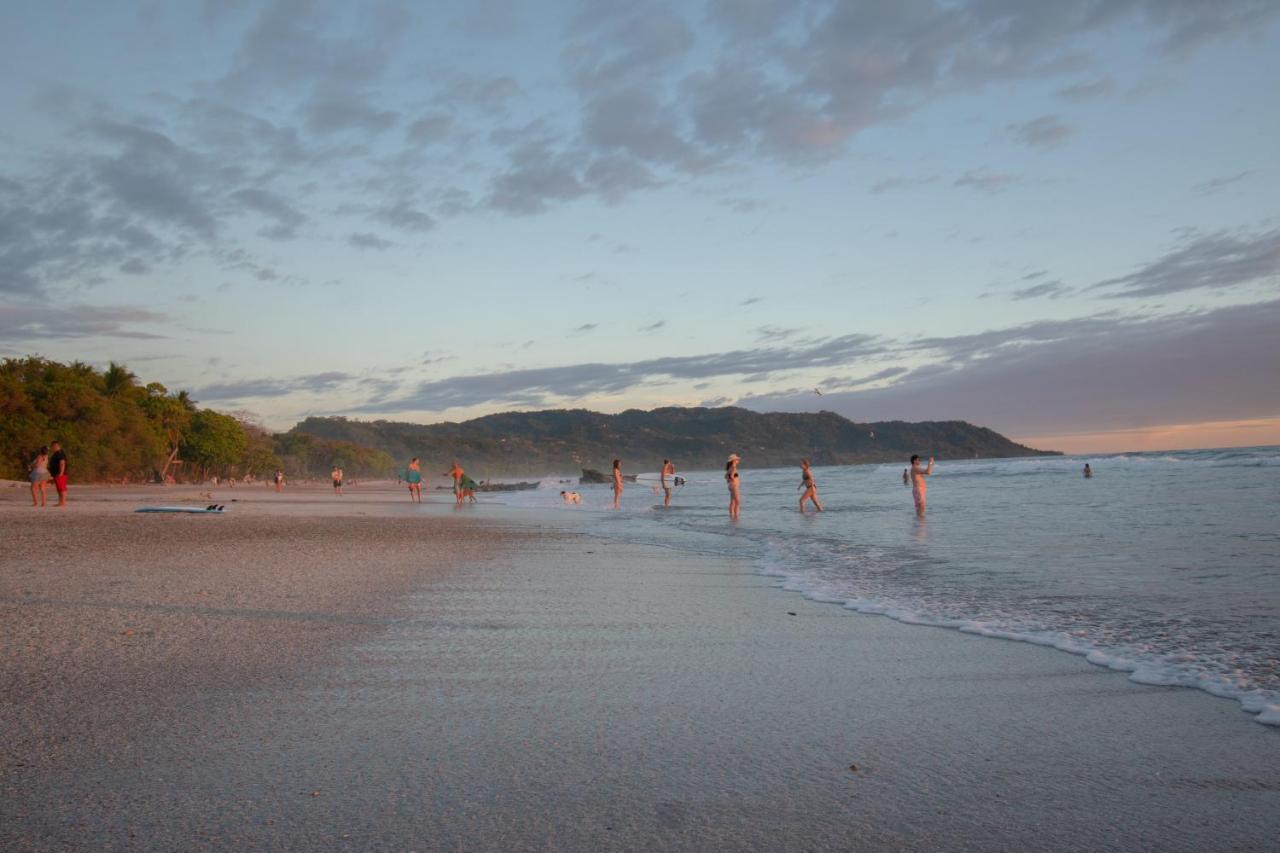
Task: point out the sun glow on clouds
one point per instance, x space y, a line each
1256 432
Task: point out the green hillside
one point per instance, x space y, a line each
564 441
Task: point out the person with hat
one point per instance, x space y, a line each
731 478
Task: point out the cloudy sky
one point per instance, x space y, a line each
1057 219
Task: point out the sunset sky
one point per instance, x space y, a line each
1058 220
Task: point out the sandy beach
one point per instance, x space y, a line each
307 672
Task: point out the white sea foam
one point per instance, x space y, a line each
1164 566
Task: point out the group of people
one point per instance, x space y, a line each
464 488
915 476
49 466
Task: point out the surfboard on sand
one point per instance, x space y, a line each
212 509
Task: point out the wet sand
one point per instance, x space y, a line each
304 673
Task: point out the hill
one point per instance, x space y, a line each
563 441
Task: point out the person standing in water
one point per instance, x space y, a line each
668 470
731 479
413 476
906 478
617 484
918 486
1088 472
456 473
809 485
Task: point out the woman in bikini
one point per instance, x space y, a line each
39 477
919 487
617 484
809 485
413 476
731 478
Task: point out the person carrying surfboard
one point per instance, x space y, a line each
413 476
668 470
456 473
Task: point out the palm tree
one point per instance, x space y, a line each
118 380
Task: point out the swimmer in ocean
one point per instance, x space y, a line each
919 487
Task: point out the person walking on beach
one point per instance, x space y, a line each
809 485
39 477
919 487
668 470
455 471
731 478
414 478
336 474
279 480
58 471
617 484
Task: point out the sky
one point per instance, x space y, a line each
1055 219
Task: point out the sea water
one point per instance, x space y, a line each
1164 565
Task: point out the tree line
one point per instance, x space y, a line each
114 428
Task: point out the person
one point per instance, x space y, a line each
336 475
467 489
58 471
456 473
39 477
668 470
809 485
906 478
919 487
731 478
414 477
279 478
1088 472
617 484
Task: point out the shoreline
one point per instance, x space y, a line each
416 677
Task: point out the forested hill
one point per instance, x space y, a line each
564 441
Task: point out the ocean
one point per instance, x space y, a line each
1163 565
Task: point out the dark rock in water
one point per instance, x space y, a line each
591 476
506 487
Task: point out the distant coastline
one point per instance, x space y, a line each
561 442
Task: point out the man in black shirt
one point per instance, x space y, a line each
58 471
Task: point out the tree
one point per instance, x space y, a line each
214 442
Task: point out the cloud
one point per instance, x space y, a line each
485 93
769 334
430 129
987 182
335 112
1084 91
901 182
404 215
1043 132
315 383
1052 289
365 240
539 386
1093 372
51 322
1215 185
287 217
1208 261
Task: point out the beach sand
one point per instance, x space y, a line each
307 672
